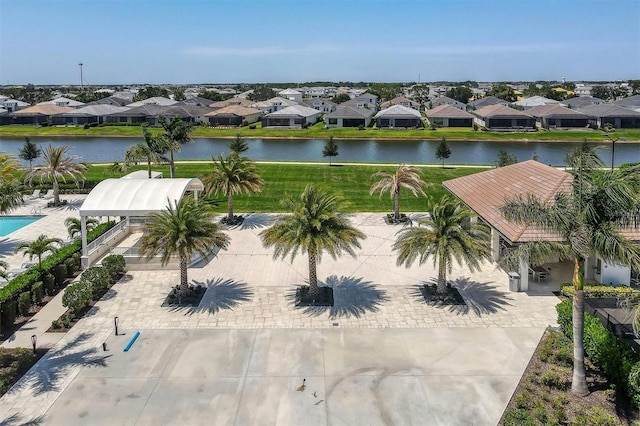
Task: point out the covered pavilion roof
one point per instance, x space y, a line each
136 197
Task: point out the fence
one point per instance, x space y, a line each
108 236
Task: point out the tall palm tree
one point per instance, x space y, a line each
8 165
588 219
183 229
151 150
74 225
38 248
176 133
448 234
230 176
56 166
404 177
315 226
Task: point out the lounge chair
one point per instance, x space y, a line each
36 194
49 194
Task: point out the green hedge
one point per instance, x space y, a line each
598 291
615 357
25 281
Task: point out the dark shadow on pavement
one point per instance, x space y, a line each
7 245
16 419
257 221
481 298
352 297
222 294
56 364
72 205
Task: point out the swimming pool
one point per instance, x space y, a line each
9 224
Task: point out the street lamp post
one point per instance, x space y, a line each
613 147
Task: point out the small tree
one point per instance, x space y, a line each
38 248
76 296
404 177
115 265
29 151
74 225
96 279
442 151
330 149
238 145
505 159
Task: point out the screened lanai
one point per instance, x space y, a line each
128 198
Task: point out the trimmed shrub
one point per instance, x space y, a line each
70 264
76 297
60 274
114 264
96 279
518 417
634 384
49 283
77 258
9 311
24 303
38 292
601 291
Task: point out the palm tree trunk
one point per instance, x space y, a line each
149 167
184 282
172 165
314 291
230 208
579 380
56 192
442 275
396 205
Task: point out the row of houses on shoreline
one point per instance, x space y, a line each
290 110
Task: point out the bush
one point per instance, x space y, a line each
601 291
596 417
615 357
60 275
115 265
519 417
253 126
49 283
56 324
24 303
9 312
76 297
70 264
553 379
634 384
38 292
96 279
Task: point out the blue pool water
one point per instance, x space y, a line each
9 224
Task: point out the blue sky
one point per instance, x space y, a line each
215 41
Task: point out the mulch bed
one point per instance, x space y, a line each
8 330
432 297
191 299
325 298
14 362
390 219
235 221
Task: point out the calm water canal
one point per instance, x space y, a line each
112 149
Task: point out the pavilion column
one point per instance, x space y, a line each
524 275
495 244
85 250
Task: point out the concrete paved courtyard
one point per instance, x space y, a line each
379 356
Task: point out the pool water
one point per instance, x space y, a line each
9 224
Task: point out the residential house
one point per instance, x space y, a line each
349 116
87 114
448 116
291 94
150 113
445 100
617 116
631 102
234 115
273 104
295 116
156 100
558 117
111 100
486 101
321 105
398 116
535 101
582 101
362 102
62 101
38 114
231 101
195 100
13 105
401 100
500 117
583 89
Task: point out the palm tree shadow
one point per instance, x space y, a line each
7 245
72 205
220 295
16 419
352 297
45 376
481 298
257 221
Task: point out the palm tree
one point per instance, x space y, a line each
176 133
448 234
3 269
588 219
230 176
238 145
183 229
38 247
405 177
8 165
151 150
315 226
56 165
30 151
74 226
10 195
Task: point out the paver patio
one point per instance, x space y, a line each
379 355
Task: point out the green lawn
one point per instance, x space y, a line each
352 182
318 131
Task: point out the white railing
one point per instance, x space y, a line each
108 236
126 251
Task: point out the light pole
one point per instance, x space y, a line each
613 147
